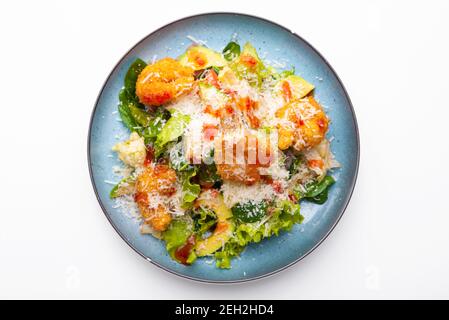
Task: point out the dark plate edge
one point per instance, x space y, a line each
347 200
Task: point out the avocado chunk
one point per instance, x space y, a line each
249 66
199 57
222 233
298 87
228 77
249 50
223 230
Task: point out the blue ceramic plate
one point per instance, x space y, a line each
274 43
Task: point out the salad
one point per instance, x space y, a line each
222 149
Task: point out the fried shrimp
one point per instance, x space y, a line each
155 181
159 179
303 124
163 81
241 166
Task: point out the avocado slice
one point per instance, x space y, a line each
224 229
298 87
249 50
227 77
199 57
249 66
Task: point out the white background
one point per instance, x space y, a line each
392 242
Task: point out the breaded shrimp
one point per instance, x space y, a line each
157 218
155 181
303 124
163 81
244 167
157 178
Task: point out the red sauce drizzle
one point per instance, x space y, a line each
149 157
212 78
183 252
141 198
287 91
277 187
250 61
209 131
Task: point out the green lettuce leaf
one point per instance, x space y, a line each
154 128
127 96
127 118
208 176
231 51
223 257
253 74
250 211
124 187
142 117
190 191
295 165
128 93
172 130
203 220
177 234
249 232
158 120
317 191
178 160
284 216
281 75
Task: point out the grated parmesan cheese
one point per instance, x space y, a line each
234 193
128 207
195 147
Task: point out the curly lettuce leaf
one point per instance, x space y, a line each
190 191
230 250
249 232
204 219
284 216
172 130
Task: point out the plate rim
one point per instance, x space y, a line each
278 270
